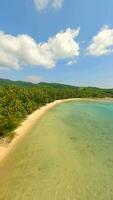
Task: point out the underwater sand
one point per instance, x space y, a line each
68 155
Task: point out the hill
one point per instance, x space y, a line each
4 82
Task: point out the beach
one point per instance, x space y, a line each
28 123
25 126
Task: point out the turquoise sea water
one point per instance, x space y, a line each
68 155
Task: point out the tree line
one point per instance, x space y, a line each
18 101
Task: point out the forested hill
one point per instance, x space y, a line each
4 82
18 99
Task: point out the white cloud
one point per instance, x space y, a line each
63 44
20 50
71 62
44 4
34 79
57 4
102 43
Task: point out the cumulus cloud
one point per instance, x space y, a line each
21 50
44 4
102 43
34 79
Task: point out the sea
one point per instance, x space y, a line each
68 155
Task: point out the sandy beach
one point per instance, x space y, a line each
25 126
28 123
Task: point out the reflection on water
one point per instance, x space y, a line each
67 156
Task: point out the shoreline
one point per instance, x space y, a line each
26 125
29 122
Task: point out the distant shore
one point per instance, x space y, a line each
30 121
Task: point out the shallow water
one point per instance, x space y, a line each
67 156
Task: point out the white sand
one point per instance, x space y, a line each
26 126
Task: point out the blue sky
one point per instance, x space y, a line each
94 64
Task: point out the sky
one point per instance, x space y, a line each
63 41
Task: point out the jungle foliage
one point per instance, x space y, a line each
19 99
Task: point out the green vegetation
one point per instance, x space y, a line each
18 99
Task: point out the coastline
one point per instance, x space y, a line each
26 125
